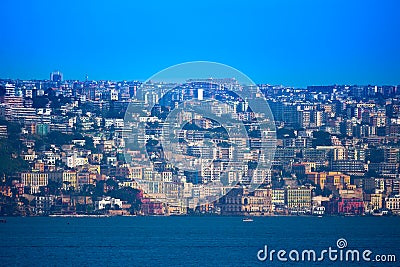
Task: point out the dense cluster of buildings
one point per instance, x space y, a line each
94 147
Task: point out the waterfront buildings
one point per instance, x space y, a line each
62 141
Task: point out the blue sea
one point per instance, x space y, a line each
189 241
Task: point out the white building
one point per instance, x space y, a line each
112 203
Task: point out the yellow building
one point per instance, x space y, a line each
318 178
70 179
94 169
299 197
338 179
96 158
393 203
376 201
239 201
132 184
136 173
34 180
278 197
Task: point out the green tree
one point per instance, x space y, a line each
321 138
285 133
10 149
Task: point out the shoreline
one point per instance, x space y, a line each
192 215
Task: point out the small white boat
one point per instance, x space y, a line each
247 220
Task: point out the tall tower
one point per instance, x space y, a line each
56 76
200 94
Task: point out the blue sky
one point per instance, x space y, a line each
294 43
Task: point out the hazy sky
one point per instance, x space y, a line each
278 42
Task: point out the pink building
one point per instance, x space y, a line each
351 206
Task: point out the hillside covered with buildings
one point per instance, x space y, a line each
67 148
